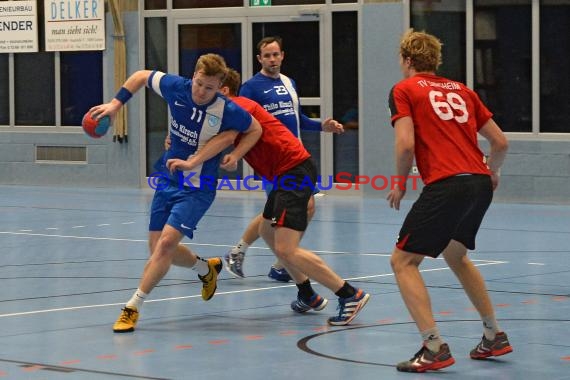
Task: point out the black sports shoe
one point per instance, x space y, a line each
426 360
496 347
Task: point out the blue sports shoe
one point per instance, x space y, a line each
348 308
279 274
316 303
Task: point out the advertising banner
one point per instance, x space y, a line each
74 25
18 27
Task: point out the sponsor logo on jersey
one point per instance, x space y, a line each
213 120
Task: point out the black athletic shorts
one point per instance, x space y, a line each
286 204
452 208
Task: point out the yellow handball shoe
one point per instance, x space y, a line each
209 281
127 320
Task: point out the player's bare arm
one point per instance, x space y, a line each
212 148
499 146
248 140
134 83
404 147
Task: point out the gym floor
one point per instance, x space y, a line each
71 258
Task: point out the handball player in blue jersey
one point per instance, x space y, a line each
277 93
203 123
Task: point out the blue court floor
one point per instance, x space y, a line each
70 259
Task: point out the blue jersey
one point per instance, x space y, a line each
279 97
193 125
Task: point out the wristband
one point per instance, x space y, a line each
123 95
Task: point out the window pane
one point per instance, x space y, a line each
199 39
156 109
35 88
206 4
312 139
554 61
155 4
345 90
301 47
4 95
447 22
81 84
503 61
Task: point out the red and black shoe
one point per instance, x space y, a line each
426 360
496 347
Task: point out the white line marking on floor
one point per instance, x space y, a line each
78 226
204 244
128 223
71 308
439 258
536 264
103 224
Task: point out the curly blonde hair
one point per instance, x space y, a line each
423 49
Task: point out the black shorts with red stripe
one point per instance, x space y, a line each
450 209
286 204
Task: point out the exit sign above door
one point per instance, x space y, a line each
260 3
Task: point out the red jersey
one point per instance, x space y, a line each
447 116
277 150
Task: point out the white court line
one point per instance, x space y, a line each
427 258
103 224
42 311
484 262
137 240
210 244
78 226
536 264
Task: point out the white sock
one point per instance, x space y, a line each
490 327
201 266
241 246
137 299
432 339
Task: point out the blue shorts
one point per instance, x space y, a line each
179 208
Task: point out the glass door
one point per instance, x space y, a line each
321 56
236 40
301 39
